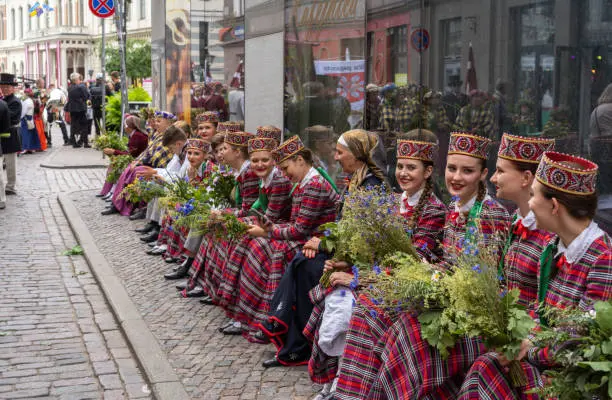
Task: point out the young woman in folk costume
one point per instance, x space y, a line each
575 268
425 215
137 143
411 368
292 304
273 201
154 156
274 245
158 214
245 192
206 128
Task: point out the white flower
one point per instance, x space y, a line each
436 276
592 314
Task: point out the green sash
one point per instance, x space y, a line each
546 269
262 201
326 176
237 195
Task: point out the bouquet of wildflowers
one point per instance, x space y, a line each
116 167
220 184
479 306
581 344
371 228
229 227
179 192
111 140
142 190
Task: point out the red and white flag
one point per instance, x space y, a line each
471 82
237 75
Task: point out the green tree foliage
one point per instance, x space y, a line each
138 61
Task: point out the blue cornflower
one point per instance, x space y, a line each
455 198
409 232
355 271
472 229
376 302
424 246
500 278
477 268
343 293
327 233
354 303
353 284
373 313
371 286
170 228
376 269
503 293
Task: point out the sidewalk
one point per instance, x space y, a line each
68 157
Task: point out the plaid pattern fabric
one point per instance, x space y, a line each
479 121
522 262
576 285
494 226
164 230
217 251
412 369
155 139
174 240
321 367
441 121
313 204
279 201
359 364
248 184
155 155
404 115
429 229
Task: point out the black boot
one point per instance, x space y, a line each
181 271
141 213
147 228
195 292
151 237
183 285
110 210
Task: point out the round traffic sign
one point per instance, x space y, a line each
420 40
102 8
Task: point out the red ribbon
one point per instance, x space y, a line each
407 206
520 230
562 263
452 217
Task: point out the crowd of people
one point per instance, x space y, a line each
268 281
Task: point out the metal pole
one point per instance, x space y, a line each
121 35
103 66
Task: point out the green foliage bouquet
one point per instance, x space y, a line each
371 228
220 184
116 167
142 190
581 345
111 140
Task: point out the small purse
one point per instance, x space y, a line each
30 123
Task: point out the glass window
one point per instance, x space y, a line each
20 23
142 9
13 24
70 14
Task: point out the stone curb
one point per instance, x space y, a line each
165 383
64 166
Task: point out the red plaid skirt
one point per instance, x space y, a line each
262 269
229 288
175 239
487 380
321 367
214 264
359 364
199 262
166 227
412 369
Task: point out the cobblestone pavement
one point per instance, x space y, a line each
210 365
58 338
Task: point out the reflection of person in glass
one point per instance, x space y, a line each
321 140
339 106
197 100
388 108
454 100
372 107
478 117
177 53
216 102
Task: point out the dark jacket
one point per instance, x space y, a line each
5 122
136 145
12 144
96 96
77 99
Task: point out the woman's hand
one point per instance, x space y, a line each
340 279
257 231
336 265
108 151
146 172
311 247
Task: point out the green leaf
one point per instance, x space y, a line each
75 251
605 366
604 315
606 347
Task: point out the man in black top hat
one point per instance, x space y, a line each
11 143
5 125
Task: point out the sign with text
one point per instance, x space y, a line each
351 82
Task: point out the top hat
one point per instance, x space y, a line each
7 79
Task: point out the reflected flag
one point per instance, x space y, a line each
37 9
236 80
471 82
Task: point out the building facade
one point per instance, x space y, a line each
55 43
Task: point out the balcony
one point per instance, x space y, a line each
56 31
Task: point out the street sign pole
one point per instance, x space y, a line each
122 39
103 66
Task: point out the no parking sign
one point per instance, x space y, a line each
420 40
102 8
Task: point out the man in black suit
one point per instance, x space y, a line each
78 96
5 125
11 140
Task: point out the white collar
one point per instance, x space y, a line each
529 220
246 164
312 172
412 200
581 244
266 182
464 209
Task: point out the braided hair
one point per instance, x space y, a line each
423 201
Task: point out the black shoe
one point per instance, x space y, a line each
209 302
170 260
10 192
222 327
147 228
67 144
181 271
139 214
196 292
100 195
261 336
151 244
108 196
273 362
110 210
232 330
87 146
151 237
183 285
76 146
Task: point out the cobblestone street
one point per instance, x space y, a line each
58 337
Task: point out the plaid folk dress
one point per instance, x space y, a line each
210 271
410 367
213 251
369 322
582 274
314 204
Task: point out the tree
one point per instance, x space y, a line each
138 61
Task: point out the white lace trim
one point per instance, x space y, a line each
581 244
